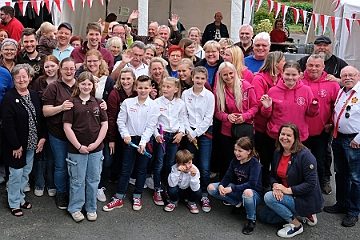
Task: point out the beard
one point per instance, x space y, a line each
325 55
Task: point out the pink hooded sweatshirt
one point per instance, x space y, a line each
262 83
249 107
326 92
290 105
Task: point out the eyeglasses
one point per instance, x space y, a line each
92 61
68 69
349 75
348 108
118 33
158 45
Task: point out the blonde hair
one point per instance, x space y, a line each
227 41
238 59
176 83
269 64
211 45
103 67
162 62
113 42
47 27
220 88
124 70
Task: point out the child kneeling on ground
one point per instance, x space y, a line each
185 177
247 189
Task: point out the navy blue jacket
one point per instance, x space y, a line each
209 32
302 177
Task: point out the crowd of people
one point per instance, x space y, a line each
169 113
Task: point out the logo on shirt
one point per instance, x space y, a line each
163 109
133 110
322 93
300 101
96 111
354 100
245 96
189 100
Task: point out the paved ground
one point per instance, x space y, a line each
46 221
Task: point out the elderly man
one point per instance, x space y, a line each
8 22
63 48
216 30
320 126
246 44
346 148
261 50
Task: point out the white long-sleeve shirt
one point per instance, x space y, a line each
136 119
184 180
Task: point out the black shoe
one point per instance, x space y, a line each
113 178
335 209
349 220
62 201
249 227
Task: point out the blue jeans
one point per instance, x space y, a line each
318 145
44 169
108 160
347 177
171 149
188 193
130 157
233 198
202 158
284 208
84 171
18 178
59 149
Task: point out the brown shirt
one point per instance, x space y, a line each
55 94
86 118
249 51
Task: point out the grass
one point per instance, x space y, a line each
295 28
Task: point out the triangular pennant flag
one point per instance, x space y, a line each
348 23
303 14
296 15
284 10
259 5
337 5
48 4
271 5
322 21
72 5
12 4
58 4
315 17
326 20
22 6
251 3
36 6
90 3
277 7
83 3
102 2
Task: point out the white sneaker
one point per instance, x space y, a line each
52 192
132 181
101 195
39 192
149 183
27 188
77 216
290 231
91 216
311 220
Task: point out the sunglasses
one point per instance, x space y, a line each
348 108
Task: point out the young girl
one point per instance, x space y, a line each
184 69
136 122
85 126
170 131
247 189
199 110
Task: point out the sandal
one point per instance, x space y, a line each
16 211
26 205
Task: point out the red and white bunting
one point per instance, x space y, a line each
348 23
252 3
315 18
335 21
258 6
90 3
12 4
59 5
271 5
83 3
324 19
303 14
36 6
71 4
296 15
284 10
277 7
102 2
337 5
22 6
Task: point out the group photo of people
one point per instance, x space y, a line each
191 115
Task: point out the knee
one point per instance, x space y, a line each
211 187
268 197
248 193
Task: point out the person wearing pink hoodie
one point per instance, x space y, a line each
289 101
321 125
269 75
235 102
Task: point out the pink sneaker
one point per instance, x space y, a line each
205 204
158 199
114 203
193 208
170 207
137 205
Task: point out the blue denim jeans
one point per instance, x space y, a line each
284 208
59 149
233 198
84 171
202 158
108 160
318 145
131 157
171 149
44 169
188 194
347 177
18 178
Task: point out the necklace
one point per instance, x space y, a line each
7 66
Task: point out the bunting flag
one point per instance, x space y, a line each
277 9
258 6
58 4
334 24
271 5
22 6
315 18
348 23
296 15
303 14
102 2
90 3
284 10
36 6
83 3
71 4
12 4
337 4
324 19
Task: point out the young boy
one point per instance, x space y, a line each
47 42
186 177
136 121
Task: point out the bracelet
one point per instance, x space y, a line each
79 148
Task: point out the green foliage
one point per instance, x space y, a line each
262 14
263 26
299 5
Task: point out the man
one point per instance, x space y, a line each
93 36
261 50
29 54
63 36
216 30
346 148
321 125
246 44
109 32
132 59
119 31
8 22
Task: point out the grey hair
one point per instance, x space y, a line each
113 41
246 26
316 56
29 70
8 42
164 26
264 36
138 44
152 47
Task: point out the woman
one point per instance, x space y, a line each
235 104
8 52
76 41
277 35
194 34
115 45
23 135
3 34
295 185
269 75
44 167
150 53
157 73
160 45
175 55
234 55
188 46
95 64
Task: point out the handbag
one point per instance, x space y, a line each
242 130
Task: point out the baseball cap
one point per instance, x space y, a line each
322 39
65 25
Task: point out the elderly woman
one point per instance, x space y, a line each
295 185
194 34
175 53
115 45
23 135
8 52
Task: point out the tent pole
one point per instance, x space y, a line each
170 8
106 7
